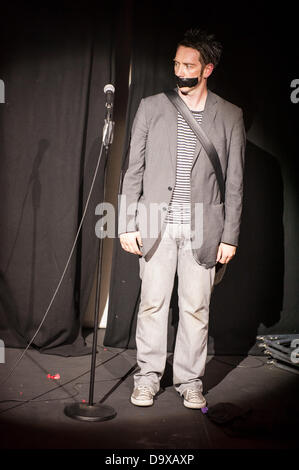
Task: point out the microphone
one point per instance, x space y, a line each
109 123
109 91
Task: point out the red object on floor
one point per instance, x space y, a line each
54 377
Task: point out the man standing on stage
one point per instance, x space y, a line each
168 168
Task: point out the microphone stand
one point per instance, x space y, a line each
96 411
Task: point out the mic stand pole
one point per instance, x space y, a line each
96 411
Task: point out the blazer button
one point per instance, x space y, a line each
170 188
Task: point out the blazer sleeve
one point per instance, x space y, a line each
234 182
131 189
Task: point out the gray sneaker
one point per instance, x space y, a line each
142 396
193 398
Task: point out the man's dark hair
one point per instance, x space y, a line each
210 49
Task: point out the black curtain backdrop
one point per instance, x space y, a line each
55 63
55 60
259 294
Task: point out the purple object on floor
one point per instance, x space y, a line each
204 409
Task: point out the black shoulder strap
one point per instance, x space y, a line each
201 135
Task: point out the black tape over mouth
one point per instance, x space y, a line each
186 82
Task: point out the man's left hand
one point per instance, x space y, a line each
225 253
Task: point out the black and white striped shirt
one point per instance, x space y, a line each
179 209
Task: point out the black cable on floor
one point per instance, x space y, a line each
21 402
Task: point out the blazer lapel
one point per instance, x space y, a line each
171 122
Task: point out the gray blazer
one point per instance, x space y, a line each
150 177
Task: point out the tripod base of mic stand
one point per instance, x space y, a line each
86 412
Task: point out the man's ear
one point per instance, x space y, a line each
208 70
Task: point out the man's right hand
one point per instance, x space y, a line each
129 243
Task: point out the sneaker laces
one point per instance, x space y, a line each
145 391
193 393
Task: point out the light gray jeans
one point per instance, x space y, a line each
195 284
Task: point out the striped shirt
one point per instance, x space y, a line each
179 209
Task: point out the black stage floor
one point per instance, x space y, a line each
251 405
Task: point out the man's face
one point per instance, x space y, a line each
187 65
